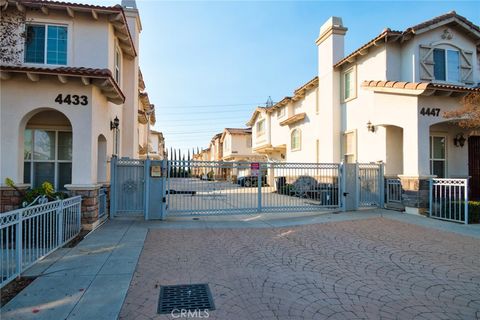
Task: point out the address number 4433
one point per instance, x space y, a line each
71 99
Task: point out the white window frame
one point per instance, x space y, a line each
257 126
56 161
447 78
117 64
45 24
354 152
352 70
281 113
299 147
431 153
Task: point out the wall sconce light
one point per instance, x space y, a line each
114 124
370 126
459 140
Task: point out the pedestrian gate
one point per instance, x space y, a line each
157 189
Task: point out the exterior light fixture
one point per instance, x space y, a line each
114 124
370 126
459 140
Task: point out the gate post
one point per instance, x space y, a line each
146 184
381 185
259 183
113 186
341 186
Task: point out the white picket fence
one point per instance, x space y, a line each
29 234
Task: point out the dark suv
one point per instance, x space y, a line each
251 181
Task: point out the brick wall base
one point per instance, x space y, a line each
415 195
10 199
90 204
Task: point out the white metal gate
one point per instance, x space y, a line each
205 188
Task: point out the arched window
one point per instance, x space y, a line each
295 140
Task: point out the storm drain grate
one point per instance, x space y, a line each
188 297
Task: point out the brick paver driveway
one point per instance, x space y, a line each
365 269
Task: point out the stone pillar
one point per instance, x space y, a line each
415 195
11 199
90 203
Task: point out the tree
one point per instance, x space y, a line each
468 115
12 36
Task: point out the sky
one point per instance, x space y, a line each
207 65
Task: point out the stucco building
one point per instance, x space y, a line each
384 102
72 95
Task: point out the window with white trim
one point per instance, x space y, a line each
349 83
350 147
446 65
46 44
118 61
280 112
47 157
438 156
260 128
295 140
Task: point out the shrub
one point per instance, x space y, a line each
46 191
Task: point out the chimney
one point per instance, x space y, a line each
330 41
129 4
330 44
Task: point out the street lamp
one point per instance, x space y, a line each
148 113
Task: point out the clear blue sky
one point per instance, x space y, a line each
208 64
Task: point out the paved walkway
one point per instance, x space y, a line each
89 281
259 266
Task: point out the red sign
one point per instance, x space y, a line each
255 166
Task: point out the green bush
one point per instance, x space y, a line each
473 211
29 195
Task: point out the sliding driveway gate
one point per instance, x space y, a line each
159 188
197 187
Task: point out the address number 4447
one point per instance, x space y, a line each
434 112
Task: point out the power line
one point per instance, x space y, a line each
214 105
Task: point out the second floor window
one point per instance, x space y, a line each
349 84
118 59
46 44
446 65
260 127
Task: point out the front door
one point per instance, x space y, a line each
474 167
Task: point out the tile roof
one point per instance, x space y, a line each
388 34
420 86
105 74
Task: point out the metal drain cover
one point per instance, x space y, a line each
188 297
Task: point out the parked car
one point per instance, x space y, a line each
251 181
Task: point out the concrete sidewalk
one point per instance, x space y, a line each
91 280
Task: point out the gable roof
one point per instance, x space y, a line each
257 111
116 16
388 35
238 131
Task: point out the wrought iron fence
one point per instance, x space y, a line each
203 187
449 199
394 191
29 234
